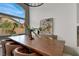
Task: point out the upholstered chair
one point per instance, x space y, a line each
10 46
3 42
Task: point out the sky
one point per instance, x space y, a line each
12 9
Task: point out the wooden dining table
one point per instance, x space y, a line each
42 45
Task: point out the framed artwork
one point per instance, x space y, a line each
46 26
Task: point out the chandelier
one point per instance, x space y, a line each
33 4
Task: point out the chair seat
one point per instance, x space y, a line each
20 51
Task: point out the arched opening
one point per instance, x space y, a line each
13 18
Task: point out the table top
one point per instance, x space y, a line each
42 45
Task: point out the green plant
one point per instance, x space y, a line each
14 26
9 26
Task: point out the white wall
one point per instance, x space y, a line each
77 13
64 17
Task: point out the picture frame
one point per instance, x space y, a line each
47 26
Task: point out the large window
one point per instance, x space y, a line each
12 19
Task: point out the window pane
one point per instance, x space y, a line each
11 19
